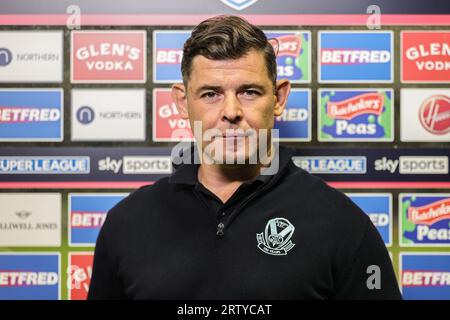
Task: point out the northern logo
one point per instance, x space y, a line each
5 57
85 115
276 238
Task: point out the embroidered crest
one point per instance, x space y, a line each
276 239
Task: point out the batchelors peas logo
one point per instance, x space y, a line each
425 219
434 114
355 115
276 239
293 51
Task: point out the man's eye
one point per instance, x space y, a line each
251 93
209 95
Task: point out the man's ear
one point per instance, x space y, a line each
179 98
283 87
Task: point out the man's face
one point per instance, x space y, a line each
232 96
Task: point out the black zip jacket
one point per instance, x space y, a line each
290 237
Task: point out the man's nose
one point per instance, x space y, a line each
232 111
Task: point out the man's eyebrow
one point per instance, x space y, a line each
251 86
240 88
206 88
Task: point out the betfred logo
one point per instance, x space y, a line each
87 213
425 115
355 115
425 56
355 57
361 104
424 219
425 275
434 114
425 278
31 115
79 274
167 124
430 214
108 56
378 207
294 124
293 51
167 55
29 276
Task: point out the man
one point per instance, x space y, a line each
245 222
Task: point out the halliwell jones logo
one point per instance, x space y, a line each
108 57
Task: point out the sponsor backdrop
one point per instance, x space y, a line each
86 117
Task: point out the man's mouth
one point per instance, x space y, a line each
234 134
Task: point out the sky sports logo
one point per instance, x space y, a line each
332 164
356 115
425 275
378 207
44 165
413 165
29 276
87 213
355 57
31 114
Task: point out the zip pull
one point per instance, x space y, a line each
220 227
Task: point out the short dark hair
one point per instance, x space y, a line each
226 37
